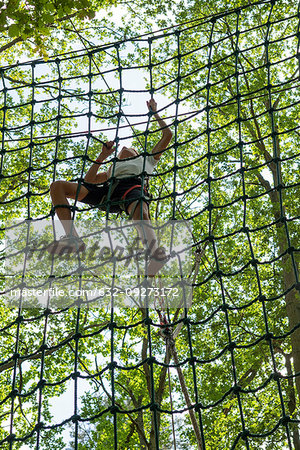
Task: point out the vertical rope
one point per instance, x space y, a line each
171 405
112 365
231 346
58 137
3 128
42 381
76 417
298 37
276 159
88 137
176 122
119 116
31 143
19 319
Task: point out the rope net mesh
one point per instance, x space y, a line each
225 372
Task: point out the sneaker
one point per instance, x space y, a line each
66 245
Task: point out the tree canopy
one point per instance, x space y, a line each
33 23
224 372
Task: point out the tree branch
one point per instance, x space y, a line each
20 39
10 44
186 396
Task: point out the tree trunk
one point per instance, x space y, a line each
292 300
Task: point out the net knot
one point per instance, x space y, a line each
75 375
41 383
38 426
276 376
112 365
75 418
285 420
14 393
192 360
236 389
112 325
114 409
154 406
245 434
151 360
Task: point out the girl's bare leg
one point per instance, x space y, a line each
60 191
157 254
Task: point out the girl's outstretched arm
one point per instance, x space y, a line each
163 143
92 176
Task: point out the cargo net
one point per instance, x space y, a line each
222 371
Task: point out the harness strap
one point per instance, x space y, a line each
123 198
129 190
113 187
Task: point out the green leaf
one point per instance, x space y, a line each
14 30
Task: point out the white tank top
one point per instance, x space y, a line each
133 166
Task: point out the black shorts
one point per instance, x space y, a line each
98 195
